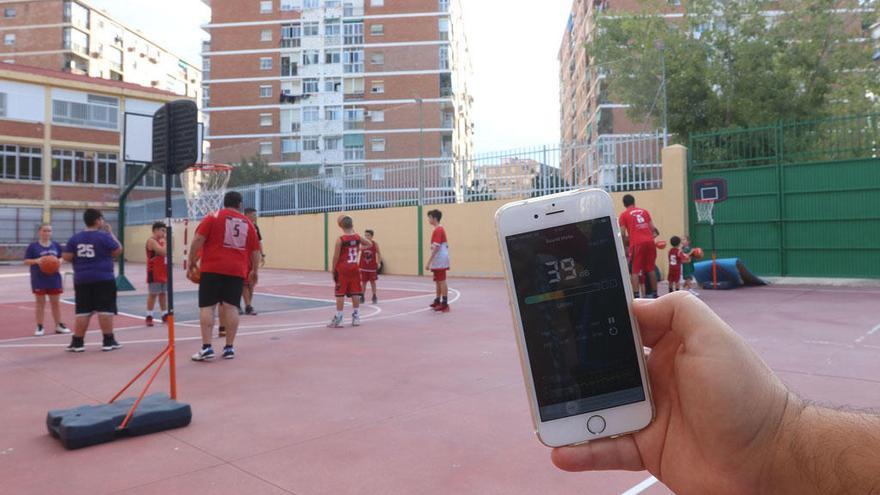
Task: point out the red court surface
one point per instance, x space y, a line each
409 403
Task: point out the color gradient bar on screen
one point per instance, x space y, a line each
547 296
573 291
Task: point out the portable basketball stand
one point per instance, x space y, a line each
175 148
707 193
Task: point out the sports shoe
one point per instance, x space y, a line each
221 332
435 304
60 328
148 321
442 308
165 318
110 343
204 354
336 322
355 320
76 345
375 300
228 352
249 310
39 331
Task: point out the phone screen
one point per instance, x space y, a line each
577 327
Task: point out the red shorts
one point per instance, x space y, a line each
348 285
644 258
440 275
48 292
674 275
369 276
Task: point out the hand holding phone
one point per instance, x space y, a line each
579 345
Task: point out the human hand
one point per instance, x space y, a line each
719 408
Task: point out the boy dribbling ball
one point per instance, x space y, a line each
369 265
346 274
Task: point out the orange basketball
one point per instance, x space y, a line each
49 264
697 253
339 219
194 275
661 244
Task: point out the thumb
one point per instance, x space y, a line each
599 455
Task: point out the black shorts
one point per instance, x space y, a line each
215 288
95 297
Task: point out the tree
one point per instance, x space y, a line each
734 64
256 170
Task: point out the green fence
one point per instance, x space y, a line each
803 198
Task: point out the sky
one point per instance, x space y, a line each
515 81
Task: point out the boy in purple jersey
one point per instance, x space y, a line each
91 252
44 285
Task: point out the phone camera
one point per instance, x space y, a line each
536 216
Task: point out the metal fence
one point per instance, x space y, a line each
831 139
615 163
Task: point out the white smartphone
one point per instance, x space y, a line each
579 344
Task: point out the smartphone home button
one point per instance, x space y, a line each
596 424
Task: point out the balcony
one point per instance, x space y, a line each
117 66
333 40
349 10
445 91
355 68
291 42
351 125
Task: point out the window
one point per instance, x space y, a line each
352 60
310 85
266 148
9 12
311 4
265 63
291 36
265 120
311 28
354 118
353 33
443 25
444 58
377 29
377 87
377 144
2 104
84 167
20 162
76 40
310 143
333 85
76 14
266 7
311 57
377 116
265 91
333 4
266 35
100 111
377 3
377 58
333 29
353 86
311 114
333 57
291 145
333 143
333 113
289 5
9 39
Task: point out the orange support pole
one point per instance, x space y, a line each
143 392
127 385
172 365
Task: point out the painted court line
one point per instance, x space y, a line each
644 485
870 332
11 275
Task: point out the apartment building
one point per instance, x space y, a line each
327 83
72 36
60 150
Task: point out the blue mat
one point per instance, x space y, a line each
731 273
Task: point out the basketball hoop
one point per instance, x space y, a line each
204 185
704 208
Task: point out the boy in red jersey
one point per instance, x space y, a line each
157 274
346 273
638 229
676 259
230 253
438 262
369 265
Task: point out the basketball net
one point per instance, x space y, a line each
704 210
204 186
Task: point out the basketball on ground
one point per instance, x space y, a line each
697 253
49 264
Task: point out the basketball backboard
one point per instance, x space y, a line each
137 138
712 189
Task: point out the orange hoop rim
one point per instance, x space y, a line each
210 167
704 201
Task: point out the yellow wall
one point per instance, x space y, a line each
297 242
